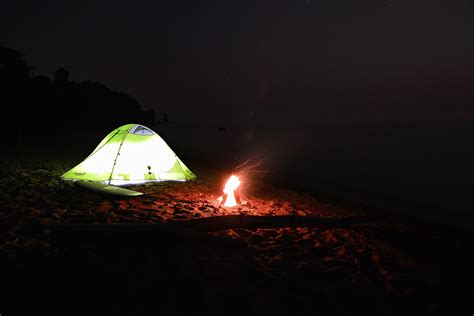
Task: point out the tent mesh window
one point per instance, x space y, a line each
141 130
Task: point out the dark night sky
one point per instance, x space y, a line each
227 61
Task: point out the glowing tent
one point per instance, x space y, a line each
131 154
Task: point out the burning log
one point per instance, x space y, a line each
223 199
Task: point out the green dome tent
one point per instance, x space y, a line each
130 154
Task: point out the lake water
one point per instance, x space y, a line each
425 168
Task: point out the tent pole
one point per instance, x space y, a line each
108 140
179 163
118 153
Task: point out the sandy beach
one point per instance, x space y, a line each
387 266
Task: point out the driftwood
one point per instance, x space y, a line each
187 231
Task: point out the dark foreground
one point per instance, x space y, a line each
389 265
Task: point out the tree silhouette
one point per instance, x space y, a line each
13 67
61 75
59 112
14 74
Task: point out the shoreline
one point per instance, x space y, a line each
374 203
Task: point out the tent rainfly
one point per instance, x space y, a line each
130 154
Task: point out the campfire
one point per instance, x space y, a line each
231 195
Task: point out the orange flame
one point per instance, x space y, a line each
231 184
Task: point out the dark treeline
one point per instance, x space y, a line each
58 113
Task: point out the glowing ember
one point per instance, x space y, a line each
229 197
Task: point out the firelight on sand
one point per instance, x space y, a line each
229 197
